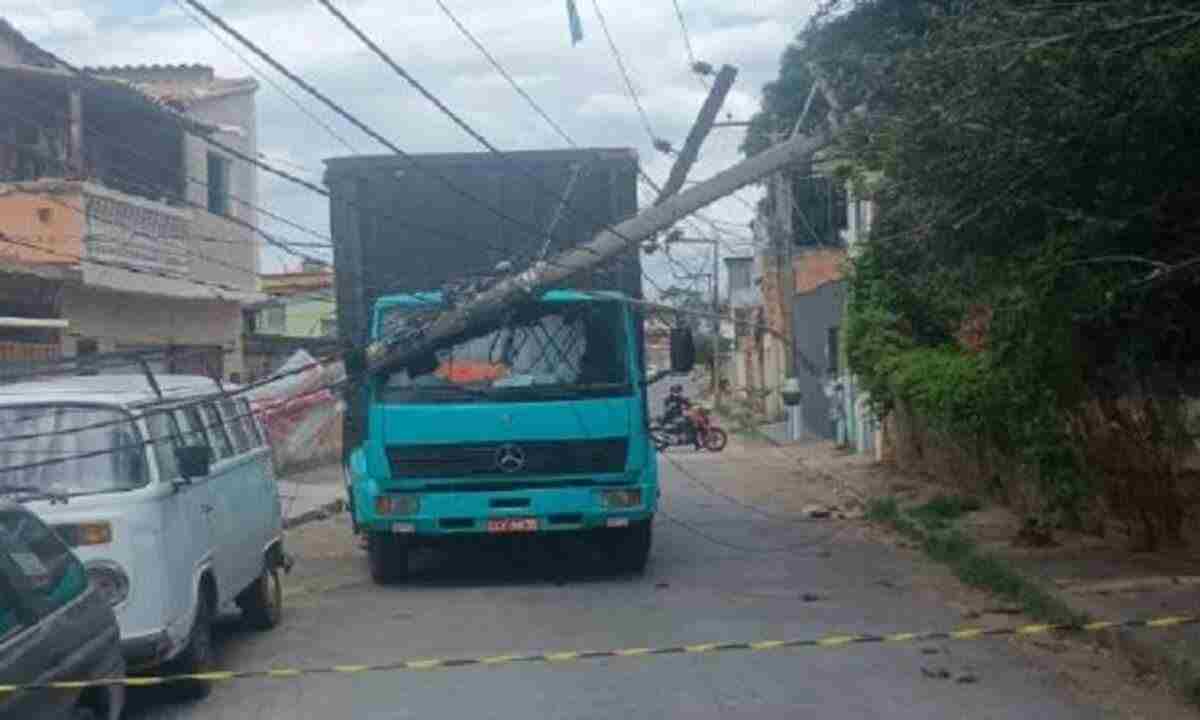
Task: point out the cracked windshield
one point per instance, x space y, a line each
552 350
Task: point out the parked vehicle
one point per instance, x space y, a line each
54 626
536 424
710 436
165 491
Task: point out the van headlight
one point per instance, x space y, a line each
109 580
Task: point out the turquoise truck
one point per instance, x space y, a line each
535 423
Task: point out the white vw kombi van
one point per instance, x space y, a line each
167 494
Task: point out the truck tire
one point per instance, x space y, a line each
631 547
262 601
387 554
198 656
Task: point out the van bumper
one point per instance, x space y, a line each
555 509
146 651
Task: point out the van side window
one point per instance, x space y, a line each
256 438
13 617
38 563
236 425
222 446
191 422
164 440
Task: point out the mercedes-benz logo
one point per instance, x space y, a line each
510 459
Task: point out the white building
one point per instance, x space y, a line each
140 235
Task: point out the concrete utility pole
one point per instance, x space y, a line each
700 129
605 246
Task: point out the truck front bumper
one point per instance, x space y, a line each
554 509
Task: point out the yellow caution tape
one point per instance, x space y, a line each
829 641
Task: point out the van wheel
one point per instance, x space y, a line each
387 554
198 656
262 601
631 547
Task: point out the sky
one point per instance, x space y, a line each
579 86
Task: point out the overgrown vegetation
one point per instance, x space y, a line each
932 526
1031 279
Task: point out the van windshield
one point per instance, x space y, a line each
543 351
69 449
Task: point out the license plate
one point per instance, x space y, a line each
512 525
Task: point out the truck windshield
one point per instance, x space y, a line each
544 351
69 449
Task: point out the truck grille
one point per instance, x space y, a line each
518 459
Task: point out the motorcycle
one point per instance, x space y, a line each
711 437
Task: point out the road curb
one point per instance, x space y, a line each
1180 665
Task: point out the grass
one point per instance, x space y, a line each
932 526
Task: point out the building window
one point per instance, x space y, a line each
218 184
274 319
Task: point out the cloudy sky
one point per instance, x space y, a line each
579 86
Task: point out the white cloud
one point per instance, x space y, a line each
578 86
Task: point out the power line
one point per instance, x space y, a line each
564 202
491 58
137 152
505 74
375 135
356 122
687 44
267 78
633 95
6 238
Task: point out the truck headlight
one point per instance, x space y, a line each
397 504
109 579
621 499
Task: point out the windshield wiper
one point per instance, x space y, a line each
33 492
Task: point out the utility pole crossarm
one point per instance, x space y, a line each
387 354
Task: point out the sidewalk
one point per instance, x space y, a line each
311 495
1099 578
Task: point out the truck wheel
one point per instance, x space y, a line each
197 657
631 547
387 554
262 601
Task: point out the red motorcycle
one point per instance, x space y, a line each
711 437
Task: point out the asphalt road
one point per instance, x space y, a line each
718 572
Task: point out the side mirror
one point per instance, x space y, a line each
195 461
683 350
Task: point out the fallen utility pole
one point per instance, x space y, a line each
490 304
704 122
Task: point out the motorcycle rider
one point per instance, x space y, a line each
675 415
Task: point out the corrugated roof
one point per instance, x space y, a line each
33 54
156 67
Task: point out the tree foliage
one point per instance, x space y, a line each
1040 179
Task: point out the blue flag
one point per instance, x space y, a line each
573 20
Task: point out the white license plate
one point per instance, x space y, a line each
512 525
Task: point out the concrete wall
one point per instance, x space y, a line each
43 219
229 244
814 313
117 319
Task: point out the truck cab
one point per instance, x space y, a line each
536 423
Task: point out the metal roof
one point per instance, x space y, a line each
116 389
